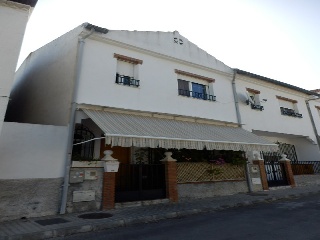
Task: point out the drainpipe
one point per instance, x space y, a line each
312 121
72 121
235 97
236 103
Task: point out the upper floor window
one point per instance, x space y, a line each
254 99
127 70
196 86
288 107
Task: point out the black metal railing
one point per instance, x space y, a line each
305 167
187 93
290 112
127 80
255 106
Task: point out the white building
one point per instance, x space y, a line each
279 112
129 90
14 15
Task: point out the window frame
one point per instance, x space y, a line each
187 87
255 96
291 112
126 80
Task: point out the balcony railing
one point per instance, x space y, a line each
198 95
126 80
255 106
290 112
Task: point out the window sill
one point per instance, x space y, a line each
210 99
87 164
254 106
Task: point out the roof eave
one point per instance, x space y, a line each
252 75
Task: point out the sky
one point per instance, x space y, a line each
278 39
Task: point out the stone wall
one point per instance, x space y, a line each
79 198
29 197
307 180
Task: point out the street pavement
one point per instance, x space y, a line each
68 224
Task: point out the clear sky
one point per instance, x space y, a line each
278 39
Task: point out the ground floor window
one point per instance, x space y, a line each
85 150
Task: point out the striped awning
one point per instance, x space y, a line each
128 130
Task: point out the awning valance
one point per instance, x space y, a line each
128 130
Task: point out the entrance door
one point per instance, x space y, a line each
276 175
137 182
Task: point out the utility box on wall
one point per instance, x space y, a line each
76 176
90 175
83 196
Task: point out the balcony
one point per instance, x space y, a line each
255 106
198 95
290 112
126 80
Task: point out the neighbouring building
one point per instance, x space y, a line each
139 94
14 15
284 114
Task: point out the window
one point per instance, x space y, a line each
127 70
254 99
196 87
82 150
288 107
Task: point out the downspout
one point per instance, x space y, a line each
236 102
72 121
312 121
235 97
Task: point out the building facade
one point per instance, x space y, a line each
139 94
280 112
17 13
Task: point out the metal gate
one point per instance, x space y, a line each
276 175
136 182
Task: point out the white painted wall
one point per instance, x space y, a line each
158 91
13 20
43 84
32 151
271 119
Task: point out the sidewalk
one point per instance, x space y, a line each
63 225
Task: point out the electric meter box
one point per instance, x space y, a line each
76 176
90 175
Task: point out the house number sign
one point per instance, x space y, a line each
178 41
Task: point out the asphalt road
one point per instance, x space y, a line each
292 219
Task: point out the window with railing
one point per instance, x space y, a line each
254 99
288 107
127 70
196 87
127 80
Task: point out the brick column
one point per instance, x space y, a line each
108 191
263 175
171 177
111 167
288 170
